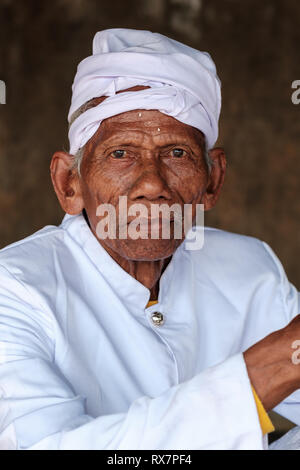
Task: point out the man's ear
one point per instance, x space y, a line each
66 183
216 178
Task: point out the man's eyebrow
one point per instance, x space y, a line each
121 143
120 140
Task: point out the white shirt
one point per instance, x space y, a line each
82 365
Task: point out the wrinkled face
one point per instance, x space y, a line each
150 158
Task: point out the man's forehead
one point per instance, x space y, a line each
147 122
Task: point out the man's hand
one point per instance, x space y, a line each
271 370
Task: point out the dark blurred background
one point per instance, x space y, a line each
256 47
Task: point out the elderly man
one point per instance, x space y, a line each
123 342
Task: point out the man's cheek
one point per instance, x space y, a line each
191 185
101 190
192 194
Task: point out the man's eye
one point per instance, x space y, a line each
118 153
177 153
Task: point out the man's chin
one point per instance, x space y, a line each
144 249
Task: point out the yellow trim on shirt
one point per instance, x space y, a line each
151 302
265 422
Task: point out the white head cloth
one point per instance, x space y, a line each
183 82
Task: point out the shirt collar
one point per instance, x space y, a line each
134 294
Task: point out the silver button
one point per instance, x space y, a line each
157 318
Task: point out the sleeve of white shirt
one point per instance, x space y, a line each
290 298
40 410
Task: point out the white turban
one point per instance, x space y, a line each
183 83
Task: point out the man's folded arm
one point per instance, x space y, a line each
39 409
214 410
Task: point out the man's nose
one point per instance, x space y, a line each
150 185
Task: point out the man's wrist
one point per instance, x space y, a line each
273 382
